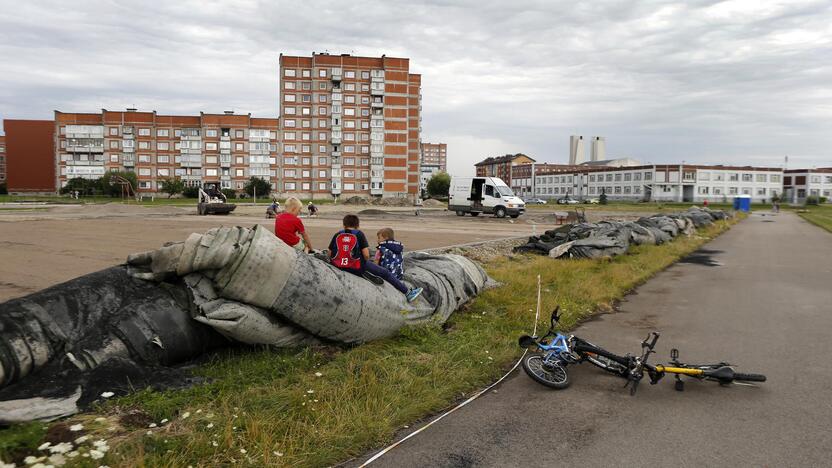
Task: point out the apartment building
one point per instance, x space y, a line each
30 156
224 148
2 159
349 126
435 155
798 184
501 166
433 159
682 183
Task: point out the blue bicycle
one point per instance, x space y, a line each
548 360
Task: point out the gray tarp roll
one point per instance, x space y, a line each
260 279
611 238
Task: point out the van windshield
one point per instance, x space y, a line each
505 191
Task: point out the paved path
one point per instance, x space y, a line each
760 296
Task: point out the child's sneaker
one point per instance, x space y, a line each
413 293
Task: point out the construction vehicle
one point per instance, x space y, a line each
213 201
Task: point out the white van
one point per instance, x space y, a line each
477 195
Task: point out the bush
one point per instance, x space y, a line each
821 199
82 185
439 184
262 187
812 200
229 193
3 189
190 192
603 198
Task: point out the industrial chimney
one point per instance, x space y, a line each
599 149
576 149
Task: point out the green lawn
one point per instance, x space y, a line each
316 407
157 201
819 215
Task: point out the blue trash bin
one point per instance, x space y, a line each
742 203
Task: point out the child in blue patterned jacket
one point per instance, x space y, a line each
389 253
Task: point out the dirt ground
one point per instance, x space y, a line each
42 245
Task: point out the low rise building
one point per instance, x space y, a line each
681 183
501 166
799 184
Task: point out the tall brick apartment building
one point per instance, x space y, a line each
349 126
224 148
2 159
435 155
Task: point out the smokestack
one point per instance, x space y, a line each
599 149
576 149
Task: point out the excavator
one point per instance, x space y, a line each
213 201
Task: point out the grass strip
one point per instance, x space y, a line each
316 407
820 215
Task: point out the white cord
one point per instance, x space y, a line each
474 397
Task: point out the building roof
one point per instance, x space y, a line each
618 162
502 159
822 170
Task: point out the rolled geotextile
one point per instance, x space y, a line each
288 297
98 316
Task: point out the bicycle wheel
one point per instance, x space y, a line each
749 377
550 376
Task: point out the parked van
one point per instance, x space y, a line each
489 195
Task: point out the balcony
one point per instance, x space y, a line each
225 162
129 163
336 75
336 186
377 105
335 140
85 149
336 154
377 91
376 190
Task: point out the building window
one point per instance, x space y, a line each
747 177
113 131
144 145
289 98
761 177
306 73
733 177
322 73
144 132
289 72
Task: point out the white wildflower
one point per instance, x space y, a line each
152 425
198 411
43 446
82 439
242 450
164 421
318 374
41 465
76 427
107 394
149 432
279 454
57 460
63 447
6 465
210 425
96 454
186 415
214 443
31 460
100 419
72 454
310 391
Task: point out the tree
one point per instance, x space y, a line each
108 186
172 186
82 185
603 198
258 186
190 191
3 189
439 184
229 193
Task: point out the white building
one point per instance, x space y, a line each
682 183
798 184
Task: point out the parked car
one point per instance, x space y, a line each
535 201
567 201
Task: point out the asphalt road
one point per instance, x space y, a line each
760 297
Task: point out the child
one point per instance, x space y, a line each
350 251
313 210
389 253
287 226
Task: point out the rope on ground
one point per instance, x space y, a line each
469 400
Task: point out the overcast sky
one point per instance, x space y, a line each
734 82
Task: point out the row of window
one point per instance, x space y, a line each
324 111
165 146
325 72
760 191
165 132
737 177
324 86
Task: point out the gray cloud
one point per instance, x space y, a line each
712 82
